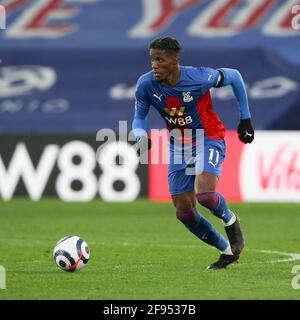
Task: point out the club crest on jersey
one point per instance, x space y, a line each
187 96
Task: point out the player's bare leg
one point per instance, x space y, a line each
186 212
205 186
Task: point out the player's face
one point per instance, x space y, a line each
163 63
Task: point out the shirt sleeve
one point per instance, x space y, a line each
141 102
211 78
142 105
234 78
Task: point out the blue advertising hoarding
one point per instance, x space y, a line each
71 66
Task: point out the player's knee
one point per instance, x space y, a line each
209 200
187 217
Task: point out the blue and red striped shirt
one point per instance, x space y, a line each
187 105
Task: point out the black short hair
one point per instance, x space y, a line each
166 43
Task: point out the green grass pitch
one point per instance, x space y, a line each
139 250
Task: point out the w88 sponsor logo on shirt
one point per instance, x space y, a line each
175 113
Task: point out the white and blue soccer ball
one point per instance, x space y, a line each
71 253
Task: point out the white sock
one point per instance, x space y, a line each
227 250
231 221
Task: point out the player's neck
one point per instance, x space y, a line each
173 78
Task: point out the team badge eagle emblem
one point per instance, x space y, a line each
187 97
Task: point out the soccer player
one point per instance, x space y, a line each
181 96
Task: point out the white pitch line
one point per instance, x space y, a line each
292 256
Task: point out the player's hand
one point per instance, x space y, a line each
245 131
143 144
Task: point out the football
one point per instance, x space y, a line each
71 253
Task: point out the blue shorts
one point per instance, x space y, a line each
212 159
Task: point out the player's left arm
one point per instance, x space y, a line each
233 77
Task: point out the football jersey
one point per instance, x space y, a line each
187 105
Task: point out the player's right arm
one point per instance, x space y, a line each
139 123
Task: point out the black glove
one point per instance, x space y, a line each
245 131
143 144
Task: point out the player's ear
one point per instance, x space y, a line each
175 59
